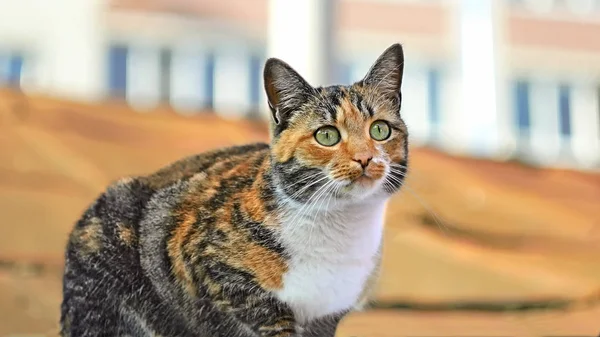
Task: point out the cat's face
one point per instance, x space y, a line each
338 143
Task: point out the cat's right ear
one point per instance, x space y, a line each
387 72
286 89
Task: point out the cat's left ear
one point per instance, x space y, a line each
386 74
286 89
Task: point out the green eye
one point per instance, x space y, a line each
327 136
380 130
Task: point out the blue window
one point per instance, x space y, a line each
11 68
15 69
209 79
165 74
255 70
564 108
521 100
433 90
117 79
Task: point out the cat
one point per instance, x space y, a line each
281 239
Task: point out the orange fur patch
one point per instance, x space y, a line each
234 246
352 118
89 237
126 234
281 324
267 266
175 252
375 171
251 201
314 155
395 149
283 149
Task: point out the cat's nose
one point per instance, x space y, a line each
363 158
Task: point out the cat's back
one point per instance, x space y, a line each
113 219
118 245
212 164
109 231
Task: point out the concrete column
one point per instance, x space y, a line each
415 103
300 33
29 72
143 76
188 87
73 48
581 7
484 113
232 82
449 132
585 123
545 120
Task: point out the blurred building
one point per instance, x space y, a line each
500 79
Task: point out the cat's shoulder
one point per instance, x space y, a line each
128 199
188 167
129 195
124 194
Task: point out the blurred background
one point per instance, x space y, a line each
497 231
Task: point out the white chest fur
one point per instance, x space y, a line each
332 255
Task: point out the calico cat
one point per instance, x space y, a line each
280 239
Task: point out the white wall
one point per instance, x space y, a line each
65 48
63 43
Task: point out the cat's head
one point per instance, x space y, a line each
338 143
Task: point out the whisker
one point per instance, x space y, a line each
307 186
309 209
436 217
398 165
308 206
303 179
443 228
395 170
283 212
329 195
300 213
396 180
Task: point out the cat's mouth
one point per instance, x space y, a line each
361 181
370 175
364 180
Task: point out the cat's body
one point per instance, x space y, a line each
257 240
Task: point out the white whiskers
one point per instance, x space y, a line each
429 209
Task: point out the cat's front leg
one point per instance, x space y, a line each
324 326
281 327
269 317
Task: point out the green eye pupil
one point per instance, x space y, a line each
327 136
380 130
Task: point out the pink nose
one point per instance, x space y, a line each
363 158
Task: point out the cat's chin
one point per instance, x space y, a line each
363 184
360 188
